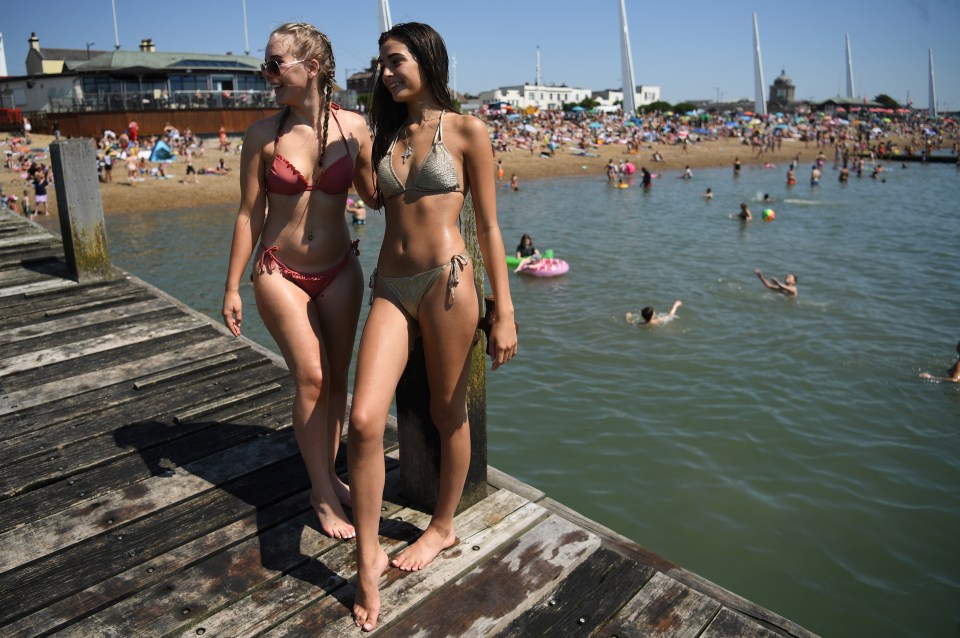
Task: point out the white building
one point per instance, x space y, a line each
552 97
545 97
645 94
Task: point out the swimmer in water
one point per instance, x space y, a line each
787 287
744 214
953 374
647 317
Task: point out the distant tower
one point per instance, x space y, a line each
3 58
626 66
932 108
781 93
850 92
383 12
760 104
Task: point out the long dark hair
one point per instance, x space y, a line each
309 43
430 52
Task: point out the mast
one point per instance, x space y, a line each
760 102
850 93
933 90
383 12
537 94
116 32
246 38
626 66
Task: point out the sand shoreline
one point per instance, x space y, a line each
157 195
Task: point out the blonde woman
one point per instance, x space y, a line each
306 277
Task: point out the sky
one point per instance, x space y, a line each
694 50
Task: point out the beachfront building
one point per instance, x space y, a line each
544 97
645 94
73 85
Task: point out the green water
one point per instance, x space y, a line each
783 448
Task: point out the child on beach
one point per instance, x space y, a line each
648 317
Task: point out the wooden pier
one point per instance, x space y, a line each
151 486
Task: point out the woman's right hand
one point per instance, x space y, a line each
232 311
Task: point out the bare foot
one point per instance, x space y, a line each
342 491
366 602
333 521
424 550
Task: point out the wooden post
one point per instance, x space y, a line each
418 437
81 209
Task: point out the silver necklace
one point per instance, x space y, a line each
408 152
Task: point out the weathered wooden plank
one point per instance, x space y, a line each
59 326
323 578
13 307
401 591
183 371
45 285
584 600
29 270
119 547
664 608
256 564
157 406
132 335
516 577
157 456
729 624
101 595
51 394
23 239
114 510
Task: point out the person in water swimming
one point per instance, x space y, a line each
307 279
787 287
953 374
427 156
648 317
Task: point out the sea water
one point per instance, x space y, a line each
783 448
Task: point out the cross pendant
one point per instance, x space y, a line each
407 153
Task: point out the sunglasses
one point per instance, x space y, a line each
272 67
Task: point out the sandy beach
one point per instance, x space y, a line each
164 194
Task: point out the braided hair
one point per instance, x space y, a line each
309 43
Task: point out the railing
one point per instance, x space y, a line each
160 100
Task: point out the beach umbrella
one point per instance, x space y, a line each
578 108
595 124
701 131
731 125
529 128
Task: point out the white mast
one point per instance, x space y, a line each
932 108
383 12
537 95
246 38
850 92
3 59
760 102
116 32
626 66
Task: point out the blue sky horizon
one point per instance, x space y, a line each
699 50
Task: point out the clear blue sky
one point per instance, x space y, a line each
696 49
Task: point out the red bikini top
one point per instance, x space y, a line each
285 179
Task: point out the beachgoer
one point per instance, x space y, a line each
191 170
787 287
815 175
648 317
499 172
514 182
40 184
526 252
744 214
646 179
423 286
222 137
791 177
736 167
687 173
953 374
708 194
358 212
307 279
